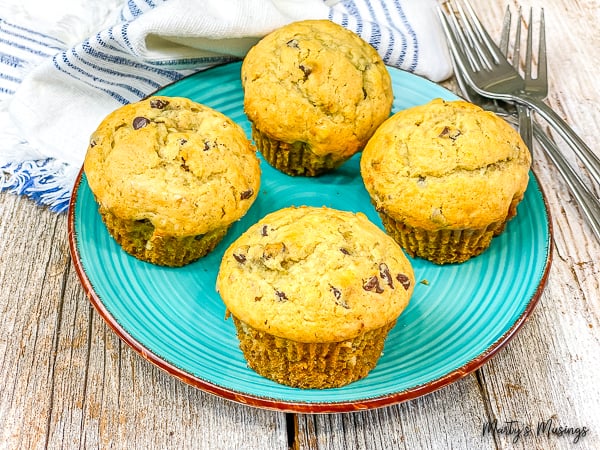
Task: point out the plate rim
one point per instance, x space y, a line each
308 406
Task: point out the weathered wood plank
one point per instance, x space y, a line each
68 381
449 418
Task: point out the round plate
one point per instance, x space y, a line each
458 317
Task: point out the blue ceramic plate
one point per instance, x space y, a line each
459 316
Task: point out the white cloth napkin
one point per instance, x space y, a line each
65 65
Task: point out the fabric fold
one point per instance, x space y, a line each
54 92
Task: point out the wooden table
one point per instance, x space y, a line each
69 382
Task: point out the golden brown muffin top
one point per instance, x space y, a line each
445 165
185 167
316 82
315 275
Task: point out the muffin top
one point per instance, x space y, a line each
185 167
316 82
315 275
445 165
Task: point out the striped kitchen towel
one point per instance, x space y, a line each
65 67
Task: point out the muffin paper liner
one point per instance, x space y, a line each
311 365
447 245
294 159
137 238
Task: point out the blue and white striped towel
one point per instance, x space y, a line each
56 86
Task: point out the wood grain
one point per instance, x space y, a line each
69 382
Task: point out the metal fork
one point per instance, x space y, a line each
589 204
491 75
523 112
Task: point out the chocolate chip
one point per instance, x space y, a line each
372 284
92 144
306 70
293 43
338 297
140 122
344 251
452 134
336 292
247 194
184 166
404 280
281 296
385 275
182 141
240 258
207 146
158 103
263 231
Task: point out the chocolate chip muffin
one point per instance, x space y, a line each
313 293
445 177
170 176
314 92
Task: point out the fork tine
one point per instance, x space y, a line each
474 37
505 31
516 57
529 51
483 36
459 40
452 34
542 69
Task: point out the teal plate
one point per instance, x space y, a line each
459 315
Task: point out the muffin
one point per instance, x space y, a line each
314 93
313 293
445 178
170 176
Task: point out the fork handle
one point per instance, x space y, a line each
590 205
592 162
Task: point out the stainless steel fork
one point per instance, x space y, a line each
523 112
491 75
589 204
538 87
